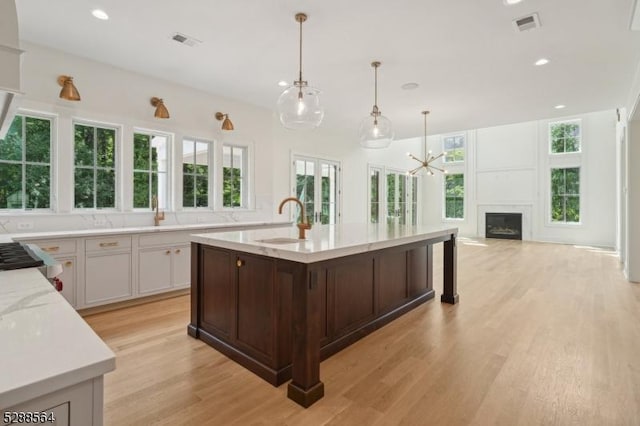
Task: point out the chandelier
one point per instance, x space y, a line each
429 158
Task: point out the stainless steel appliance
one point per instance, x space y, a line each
19 256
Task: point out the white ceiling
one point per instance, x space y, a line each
473 68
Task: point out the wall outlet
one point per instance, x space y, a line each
200 219
25 225
99 222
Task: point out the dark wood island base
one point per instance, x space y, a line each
279 318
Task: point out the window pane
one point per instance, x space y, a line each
375 195
202 154
564 137
573 209
106 145
391 196
84 145
141 190
188 188
38 187
141 147
201 191
105 189
454 196
159 154
83 180
572 181
11 187
557 208
11 146
38 140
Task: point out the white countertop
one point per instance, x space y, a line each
136 230
323 241
45 345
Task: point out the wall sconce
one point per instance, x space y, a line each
161 110
69 91
226 124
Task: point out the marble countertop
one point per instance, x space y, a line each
45 344
135 230
323 242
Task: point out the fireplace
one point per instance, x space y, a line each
503 225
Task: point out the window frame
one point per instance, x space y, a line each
444 198
169 175
412 186
52 163
315 217
116 168
211 174
245 178
550 140
550 198
463 135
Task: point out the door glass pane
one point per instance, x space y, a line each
329 193
305 186
414 200
402 199
392 196
374 176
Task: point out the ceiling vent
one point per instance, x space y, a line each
528 22
185 39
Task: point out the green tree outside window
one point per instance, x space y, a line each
565 195
565 137
454 196
94 167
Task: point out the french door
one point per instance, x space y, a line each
316 182
393 197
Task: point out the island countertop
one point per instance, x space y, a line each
46 345
323 242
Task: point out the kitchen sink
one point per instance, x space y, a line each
279 240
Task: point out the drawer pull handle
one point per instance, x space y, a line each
178 251
112 244
239 263
68 264
167 252
50 249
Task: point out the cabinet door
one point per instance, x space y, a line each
154 270
217 291
68 278
181 266
108 277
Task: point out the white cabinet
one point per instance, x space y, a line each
164 262
65 252
107 270
77 405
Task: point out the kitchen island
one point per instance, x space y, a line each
279 305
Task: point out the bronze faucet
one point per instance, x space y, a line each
158 215
303 224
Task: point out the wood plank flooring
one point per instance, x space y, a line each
544 334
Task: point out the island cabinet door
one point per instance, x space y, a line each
217 292
257 304
420 270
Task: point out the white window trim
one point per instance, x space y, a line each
211 186
53 166
444 151
248 196
382 211
117 169
170 159
562 154
293 156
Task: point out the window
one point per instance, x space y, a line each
564 137
453 148
95 166
150 168
317 186
565 194
454 196
393 197
234 176
195 173
25 164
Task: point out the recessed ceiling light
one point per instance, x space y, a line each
511 2
100 14
282 83
560 106
409 86
542 61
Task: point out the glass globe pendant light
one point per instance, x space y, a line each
375 131
299 105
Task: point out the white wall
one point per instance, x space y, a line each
507 170
119 97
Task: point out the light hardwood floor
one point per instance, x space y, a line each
544 334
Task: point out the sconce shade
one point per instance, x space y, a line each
69 91
226 123
161 110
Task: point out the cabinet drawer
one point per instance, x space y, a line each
106 244
164 239
55 247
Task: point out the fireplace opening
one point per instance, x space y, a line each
507 226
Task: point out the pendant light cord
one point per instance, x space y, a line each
425 135
300 56
375 91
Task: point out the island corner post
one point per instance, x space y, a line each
302 293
